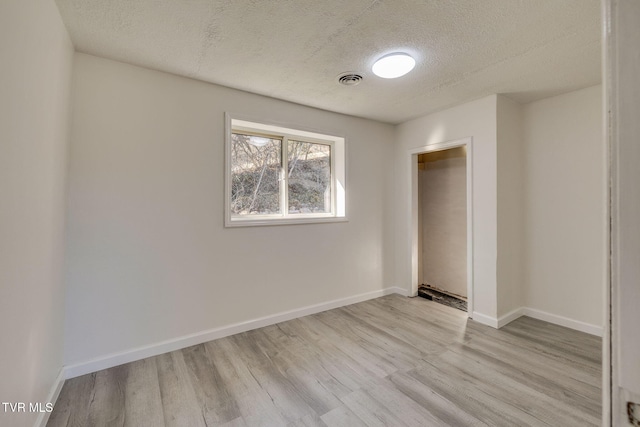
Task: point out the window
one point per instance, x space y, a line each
278 175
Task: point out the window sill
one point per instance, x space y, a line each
250 222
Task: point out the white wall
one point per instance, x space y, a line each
35 77
511 213
442 188
475 119
148 256
565 205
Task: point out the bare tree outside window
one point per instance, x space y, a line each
309 177
277 175
255 168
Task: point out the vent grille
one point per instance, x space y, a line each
349 79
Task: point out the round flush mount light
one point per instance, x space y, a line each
393 65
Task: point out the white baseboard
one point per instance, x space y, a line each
400 291
563 321
540 315
134 354
43 417
510 317
485 320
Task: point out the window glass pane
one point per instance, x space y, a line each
255 167
309 177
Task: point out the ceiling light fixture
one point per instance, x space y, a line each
393 65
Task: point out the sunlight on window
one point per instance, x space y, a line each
278 175
309 177
255 173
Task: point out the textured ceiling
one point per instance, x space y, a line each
295 49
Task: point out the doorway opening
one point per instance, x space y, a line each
442 235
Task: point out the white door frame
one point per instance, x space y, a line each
413 208
621 349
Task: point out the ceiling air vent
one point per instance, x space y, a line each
349 79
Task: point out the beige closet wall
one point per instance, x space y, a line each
443 219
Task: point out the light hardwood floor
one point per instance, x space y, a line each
392 361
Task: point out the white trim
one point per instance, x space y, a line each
608 38
413 211
264 222
134 354
485 320
540 315
621 374
43 417
401 291
563 321
510 317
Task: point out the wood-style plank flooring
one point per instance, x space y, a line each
392 361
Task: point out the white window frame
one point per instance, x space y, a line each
338 174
